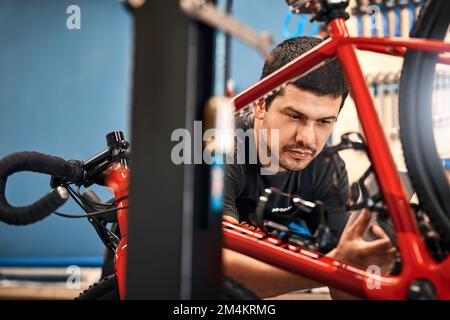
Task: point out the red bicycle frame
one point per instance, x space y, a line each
117 178
416 260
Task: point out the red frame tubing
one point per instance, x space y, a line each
398 46
329 271
416 259
426 45
396 51
378 149
117 178
417 263
309 264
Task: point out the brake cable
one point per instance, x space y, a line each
87 215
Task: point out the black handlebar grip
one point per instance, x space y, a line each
35 162
40 209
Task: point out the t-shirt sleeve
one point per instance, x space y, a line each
233 177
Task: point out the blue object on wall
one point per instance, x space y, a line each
446 163
386 27
373 21
304 21
300 25
315 27
412 16
61 91
397 20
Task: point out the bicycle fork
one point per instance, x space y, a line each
117 178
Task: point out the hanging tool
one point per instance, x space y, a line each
209 14
392 80
358 13
373 10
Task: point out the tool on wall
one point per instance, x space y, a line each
384 88
386 17
209 14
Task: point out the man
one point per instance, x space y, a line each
304 114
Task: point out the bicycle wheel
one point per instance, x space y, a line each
423 147
107 289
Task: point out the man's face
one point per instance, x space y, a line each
304 120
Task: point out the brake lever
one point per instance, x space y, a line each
321 239
257 218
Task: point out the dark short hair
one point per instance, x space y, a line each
328 80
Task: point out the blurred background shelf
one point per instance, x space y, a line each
45 283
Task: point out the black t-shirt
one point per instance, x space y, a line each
244 185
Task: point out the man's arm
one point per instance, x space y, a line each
263 279
268 281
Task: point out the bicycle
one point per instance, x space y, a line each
110 169
421 232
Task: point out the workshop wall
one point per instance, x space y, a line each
271 16
61 91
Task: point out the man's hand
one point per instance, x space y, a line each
353 249
243 224
268 281
230 219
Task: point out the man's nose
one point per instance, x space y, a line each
306 134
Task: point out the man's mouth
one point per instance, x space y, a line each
300 154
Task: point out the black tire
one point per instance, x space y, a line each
416 124
233 290
106 289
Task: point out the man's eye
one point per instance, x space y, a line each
295 117
323 122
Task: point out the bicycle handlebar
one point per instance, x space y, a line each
62 172
40 163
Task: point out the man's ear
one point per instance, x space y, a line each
259 109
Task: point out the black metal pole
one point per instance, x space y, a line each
174 242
